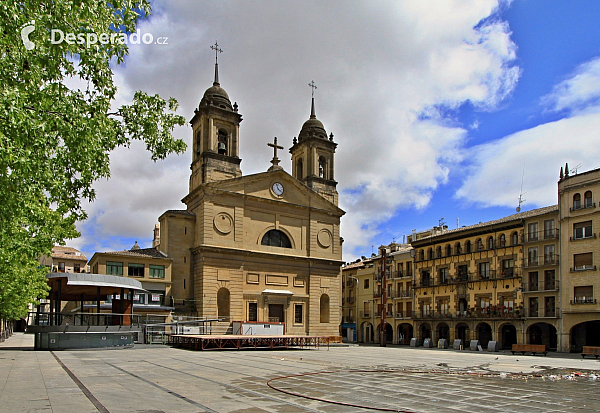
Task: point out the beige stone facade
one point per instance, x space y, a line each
580 251
258 248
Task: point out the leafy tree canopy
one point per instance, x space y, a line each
55 141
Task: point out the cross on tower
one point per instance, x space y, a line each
275 160
313 86
215 47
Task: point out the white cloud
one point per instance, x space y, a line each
383 71
579 92
494 178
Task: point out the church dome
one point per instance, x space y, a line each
216 96
312 127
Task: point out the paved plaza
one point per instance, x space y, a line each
164 379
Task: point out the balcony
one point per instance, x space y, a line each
401 294
540 312
496 312
365 314
426 282
549 285
585 205
349 319
350 300
389 314
585 267
546 234
583 300
583 237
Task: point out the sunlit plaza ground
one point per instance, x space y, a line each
164 379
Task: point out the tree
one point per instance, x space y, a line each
55 141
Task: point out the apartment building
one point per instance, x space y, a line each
149 266
531 277
65 259
365 277
469 281
579 219
349 302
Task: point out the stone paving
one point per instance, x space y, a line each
162 379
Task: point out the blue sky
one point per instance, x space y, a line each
553 38
437 110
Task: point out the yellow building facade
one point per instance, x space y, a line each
580 250
147 265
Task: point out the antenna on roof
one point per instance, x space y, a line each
441 222
574 170
521 193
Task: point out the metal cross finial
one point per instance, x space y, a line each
275 160
215 47
313 86
275 147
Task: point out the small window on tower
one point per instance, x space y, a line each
222 142
299 169
322 167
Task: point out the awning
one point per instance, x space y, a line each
278 292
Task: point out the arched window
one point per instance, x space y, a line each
324 308
439 252
479 244
222 142
448 250
587 199
322 167
300 169
198 144
430 254
276 238
577 201
514 238
502 240
468 246
223 302
458 248
490 243
422 255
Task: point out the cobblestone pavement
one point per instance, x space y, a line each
163 379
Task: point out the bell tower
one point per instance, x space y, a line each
215 126
312 156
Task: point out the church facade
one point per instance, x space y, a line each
258 248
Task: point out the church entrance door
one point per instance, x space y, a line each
276 313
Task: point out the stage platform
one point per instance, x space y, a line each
239 342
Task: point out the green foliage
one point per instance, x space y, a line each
55 140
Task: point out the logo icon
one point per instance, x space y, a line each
26 29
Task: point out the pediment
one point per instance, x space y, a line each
262 185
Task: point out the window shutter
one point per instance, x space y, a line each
580 260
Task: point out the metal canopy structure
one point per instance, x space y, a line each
88 287
73 286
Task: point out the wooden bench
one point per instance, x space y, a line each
590 351
532 348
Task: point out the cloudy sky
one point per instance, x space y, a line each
440 109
